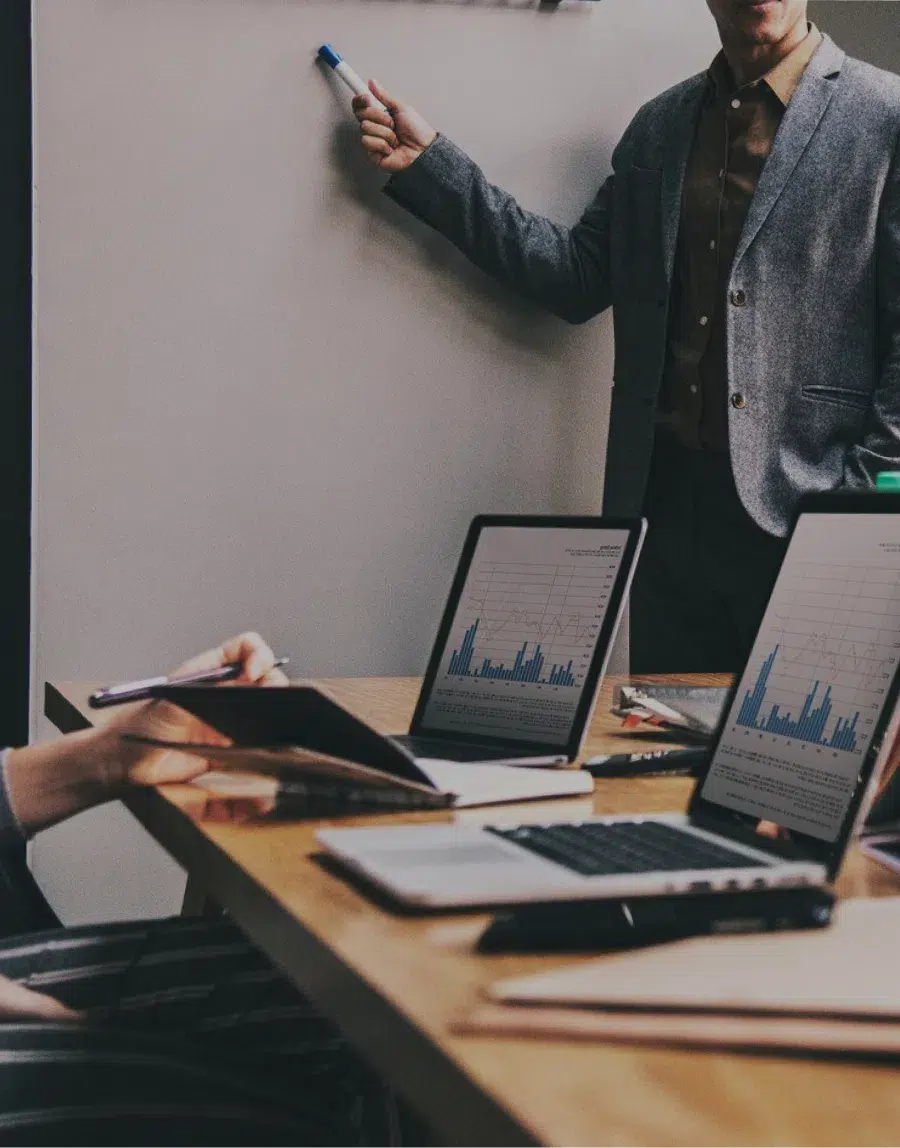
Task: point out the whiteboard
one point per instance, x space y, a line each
266 397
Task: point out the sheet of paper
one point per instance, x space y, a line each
698 1030
485 784
847 969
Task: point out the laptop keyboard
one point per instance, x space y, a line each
601 850
449 750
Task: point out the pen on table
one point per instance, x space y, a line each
654 761
140 690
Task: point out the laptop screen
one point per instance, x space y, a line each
525 633
812 698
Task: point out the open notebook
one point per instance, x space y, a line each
324 755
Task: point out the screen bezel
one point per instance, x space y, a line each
802 846
635 529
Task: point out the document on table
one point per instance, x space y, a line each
835 989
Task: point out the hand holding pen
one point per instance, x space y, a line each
245 658
125 734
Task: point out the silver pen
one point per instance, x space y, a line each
144 688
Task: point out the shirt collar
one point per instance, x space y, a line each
783 79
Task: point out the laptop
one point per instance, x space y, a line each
803 736
524 639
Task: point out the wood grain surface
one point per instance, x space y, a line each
397 984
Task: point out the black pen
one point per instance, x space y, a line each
654 761
140 690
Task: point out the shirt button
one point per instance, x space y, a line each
721 173
693 388
735 103
738 401
704 319
738 297
712 244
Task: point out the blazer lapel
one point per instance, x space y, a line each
684 127
802 117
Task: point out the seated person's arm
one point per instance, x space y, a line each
52 780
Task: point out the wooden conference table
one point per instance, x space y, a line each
395 984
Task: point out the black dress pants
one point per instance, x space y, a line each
706 570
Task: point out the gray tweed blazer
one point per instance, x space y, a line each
813 302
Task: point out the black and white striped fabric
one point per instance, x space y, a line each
190 1037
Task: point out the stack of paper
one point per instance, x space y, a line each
834 989
690 711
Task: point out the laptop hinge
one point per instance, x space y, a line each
744 834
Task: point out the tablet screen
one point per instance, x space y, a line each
813 692
523 637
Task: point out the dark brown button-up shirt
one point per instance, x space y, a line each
735 133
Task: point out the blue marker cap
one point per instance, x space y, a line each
329 55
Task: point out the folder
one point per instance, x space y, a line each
831 990
332 762
812 1035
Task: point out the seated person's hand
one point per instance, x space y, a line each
393 139
149 765
19 1003
52 780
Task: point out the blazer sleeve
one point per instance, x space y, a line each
565 270
880 447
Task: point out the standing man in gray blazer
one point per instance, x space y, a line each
748 240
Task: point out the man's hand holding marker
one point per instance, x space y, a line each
395 138
394 135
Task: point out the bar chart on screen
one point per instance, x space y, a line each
533 622
827 658
816 686
810 723
525 632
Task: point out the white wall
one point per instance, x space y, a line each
265 397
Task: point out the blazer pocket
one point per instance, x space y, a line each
838 396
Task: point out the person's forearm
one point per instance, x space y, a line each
565 270
52 780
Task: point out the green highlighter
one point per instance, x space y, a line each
888 480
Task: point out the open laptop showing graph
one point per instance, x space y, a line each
524 639
804 735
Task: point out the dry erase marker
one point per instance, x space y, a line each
139 690
352 79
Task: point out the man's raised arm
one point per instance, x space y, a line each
564 270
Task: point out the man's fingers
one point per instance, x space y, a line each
376 146
378 131
170 766
249 649
49 1008
384 95
17 1000
252 652
366 110
208 660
